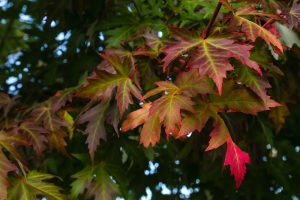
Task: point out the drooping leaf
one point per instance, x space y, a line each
46 117
237 160
34 184
150 133
35 134
97 182
293 16
278 116
253 30
194 121
136 118
218 135
257 84
95 129
6 102
10 141
5 167
239 99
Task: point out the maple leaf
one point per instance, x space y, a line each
210 56
9 141
237 160
166 110
253 30
278 116
169 109
95 130
194 121
97 181
102 83
240 99
150 133
34 184
218 135
293 16
45 116
35 134
136 118
5 167
6 103
257 84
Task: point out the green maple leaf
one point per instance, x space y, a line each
96 181
34 184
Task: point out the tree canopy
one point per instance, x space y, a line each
146 99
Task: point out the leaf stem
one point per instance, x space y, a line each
212 20
137 9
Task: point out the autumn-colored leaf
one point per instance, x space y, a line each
278 116
33 185
194 121
150 133
210 56
253 30
240 99
6 102
5 167
293 15
10 141
35 134
136 118
102 83
169 108
45 116
218 135
95 129
237 160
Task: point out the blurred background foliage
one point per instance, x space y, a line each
46 46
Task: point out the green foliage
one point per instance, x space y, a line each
180 91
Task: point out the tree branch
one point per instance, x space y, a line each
6 33
212 20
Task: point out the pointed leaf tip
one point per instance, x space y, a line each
237 160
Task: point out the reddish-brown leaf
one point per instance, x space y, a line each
95 129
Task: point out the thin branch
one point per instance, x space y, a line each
6 33
137 9
212 20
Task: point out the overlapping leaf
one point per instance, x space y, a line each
5 167
102 83
253 30
209 56
46 117
35 134
97 181
95 130
167 109
34 184
293 16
